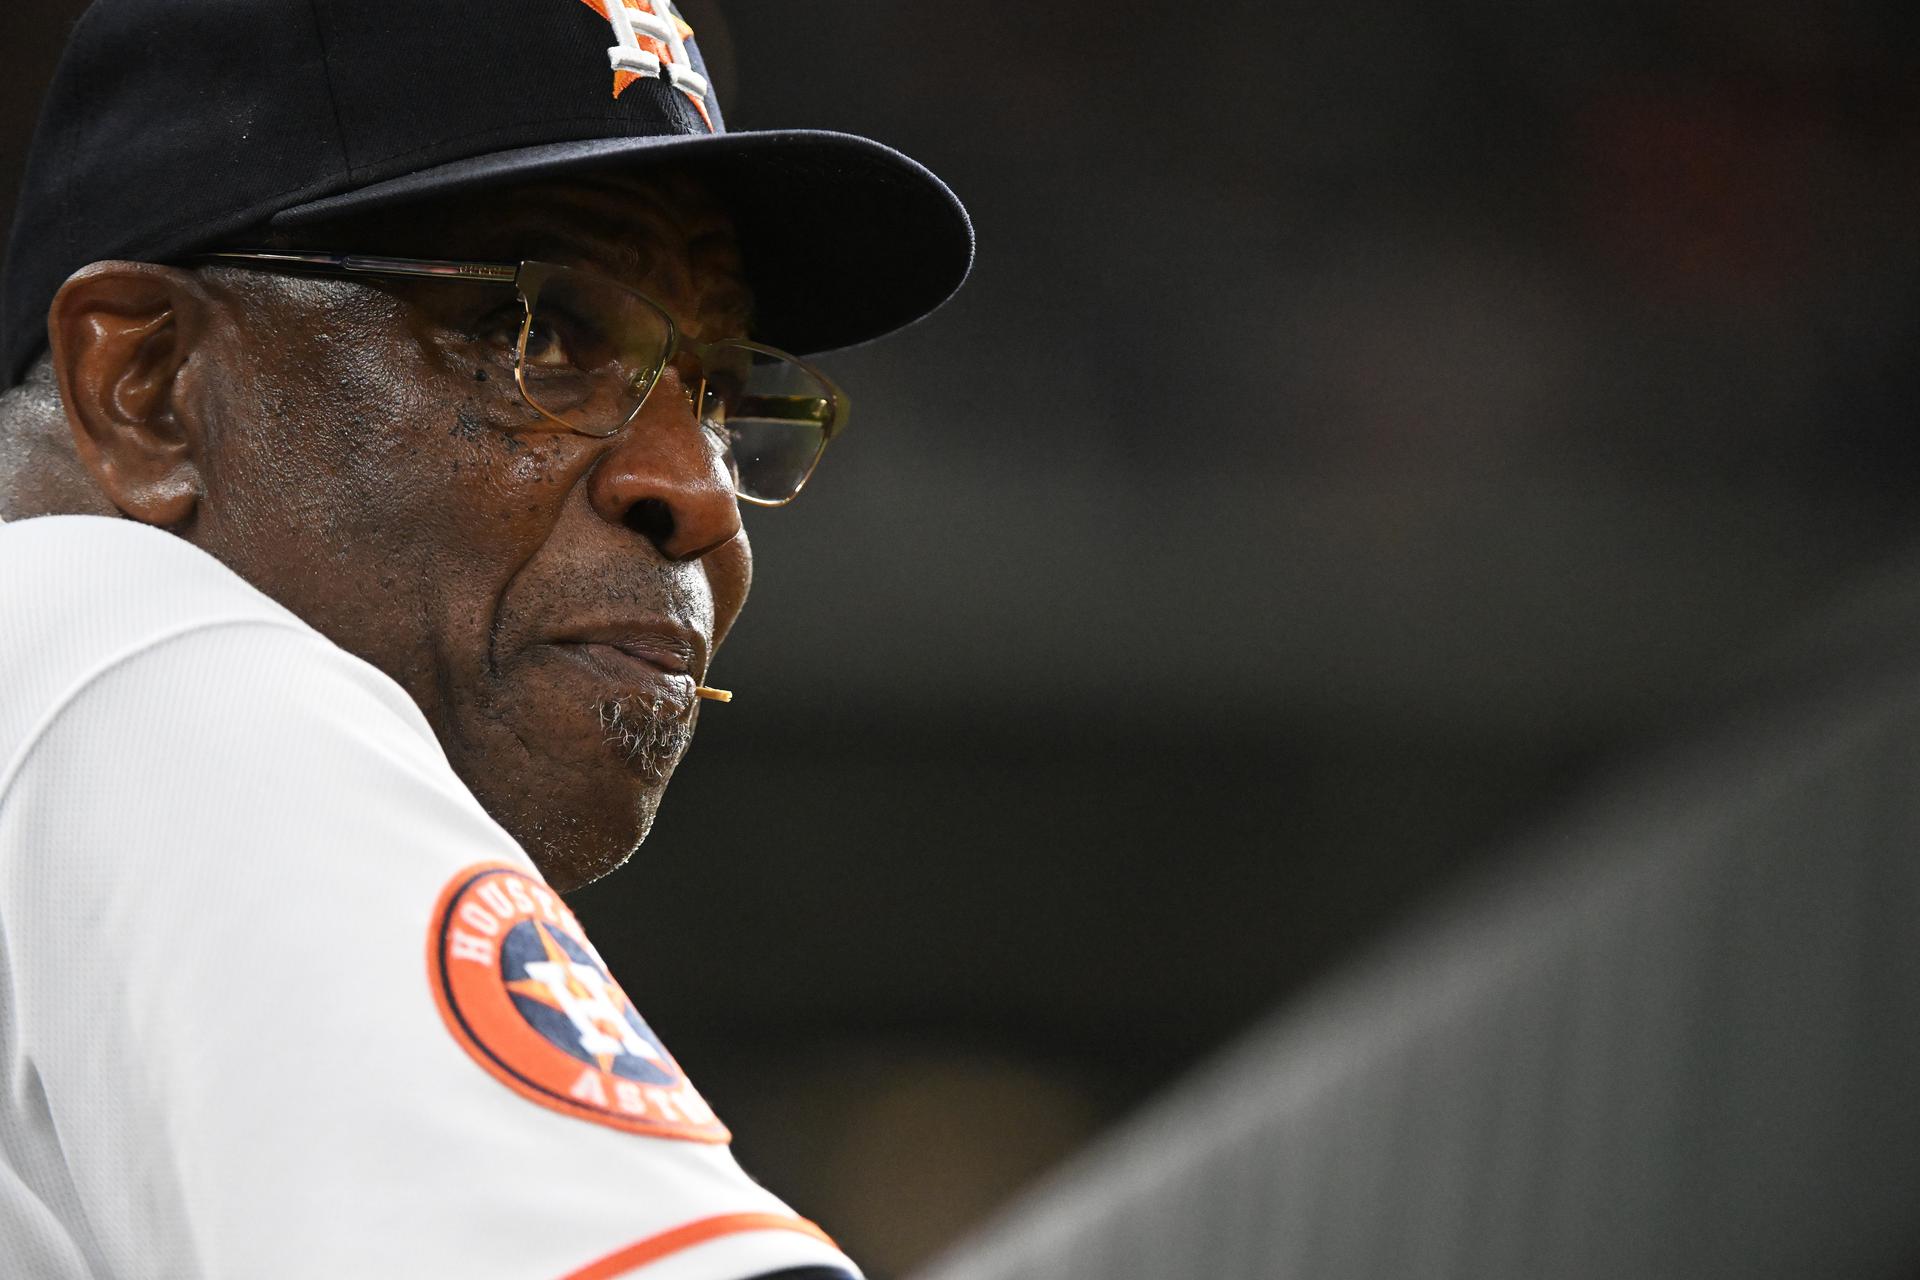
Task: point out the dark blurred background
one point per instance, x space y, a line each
1365 422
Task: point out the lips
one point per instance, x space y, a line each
626 663
655 656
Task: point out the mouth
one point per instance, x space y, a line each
642 697
625 669
656 659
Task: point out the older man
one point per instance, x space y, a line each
420 356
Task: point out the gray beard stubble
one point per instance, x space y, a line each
649 735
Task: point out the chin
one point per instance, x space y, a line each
576 820
573 851
578 784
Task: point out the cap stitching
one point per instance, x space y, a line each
333 96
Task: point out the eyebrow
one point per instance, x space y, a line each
726 303
551 244
600 233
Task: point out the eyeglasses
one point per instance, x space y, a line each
586 352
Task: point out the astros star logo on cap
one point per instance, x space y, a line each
528 997
651 40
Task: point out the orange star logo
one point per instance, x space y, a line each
650 40
526 995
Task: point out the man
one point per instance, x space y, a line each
387 379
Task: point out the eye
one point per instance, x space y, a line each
499 328
709 408
546 348
719 393
548 345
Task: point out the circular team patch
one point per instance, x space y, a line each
529 998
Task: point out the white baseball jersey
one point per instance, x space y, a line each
277 998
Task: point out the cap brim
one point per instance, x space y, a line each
844 239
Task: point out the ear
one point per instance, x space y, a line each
121 333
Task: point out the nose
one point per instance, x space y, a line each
666 477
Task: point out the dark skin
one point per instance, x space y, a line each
548 599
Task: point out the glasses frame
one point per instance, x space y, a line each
527 277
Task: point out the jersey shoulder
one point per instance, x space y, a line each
80 593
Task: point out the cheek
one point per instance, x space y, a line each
382 502
730 573
316 434
421 462
531 473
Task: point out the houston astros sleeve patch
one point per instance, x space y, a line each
531 1001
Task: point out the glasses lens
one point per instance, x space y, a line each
591 351
777 416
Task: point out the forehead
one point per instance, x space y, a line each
664 234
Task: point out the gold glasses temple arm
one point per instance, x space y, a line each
369 264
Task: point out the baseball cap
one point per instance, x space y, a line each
174 126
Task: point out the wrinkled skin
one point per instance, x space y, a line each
350 463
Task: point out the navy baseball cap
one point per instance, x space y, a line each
174 126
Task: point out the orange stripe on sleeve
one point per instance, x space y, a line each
654 1248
